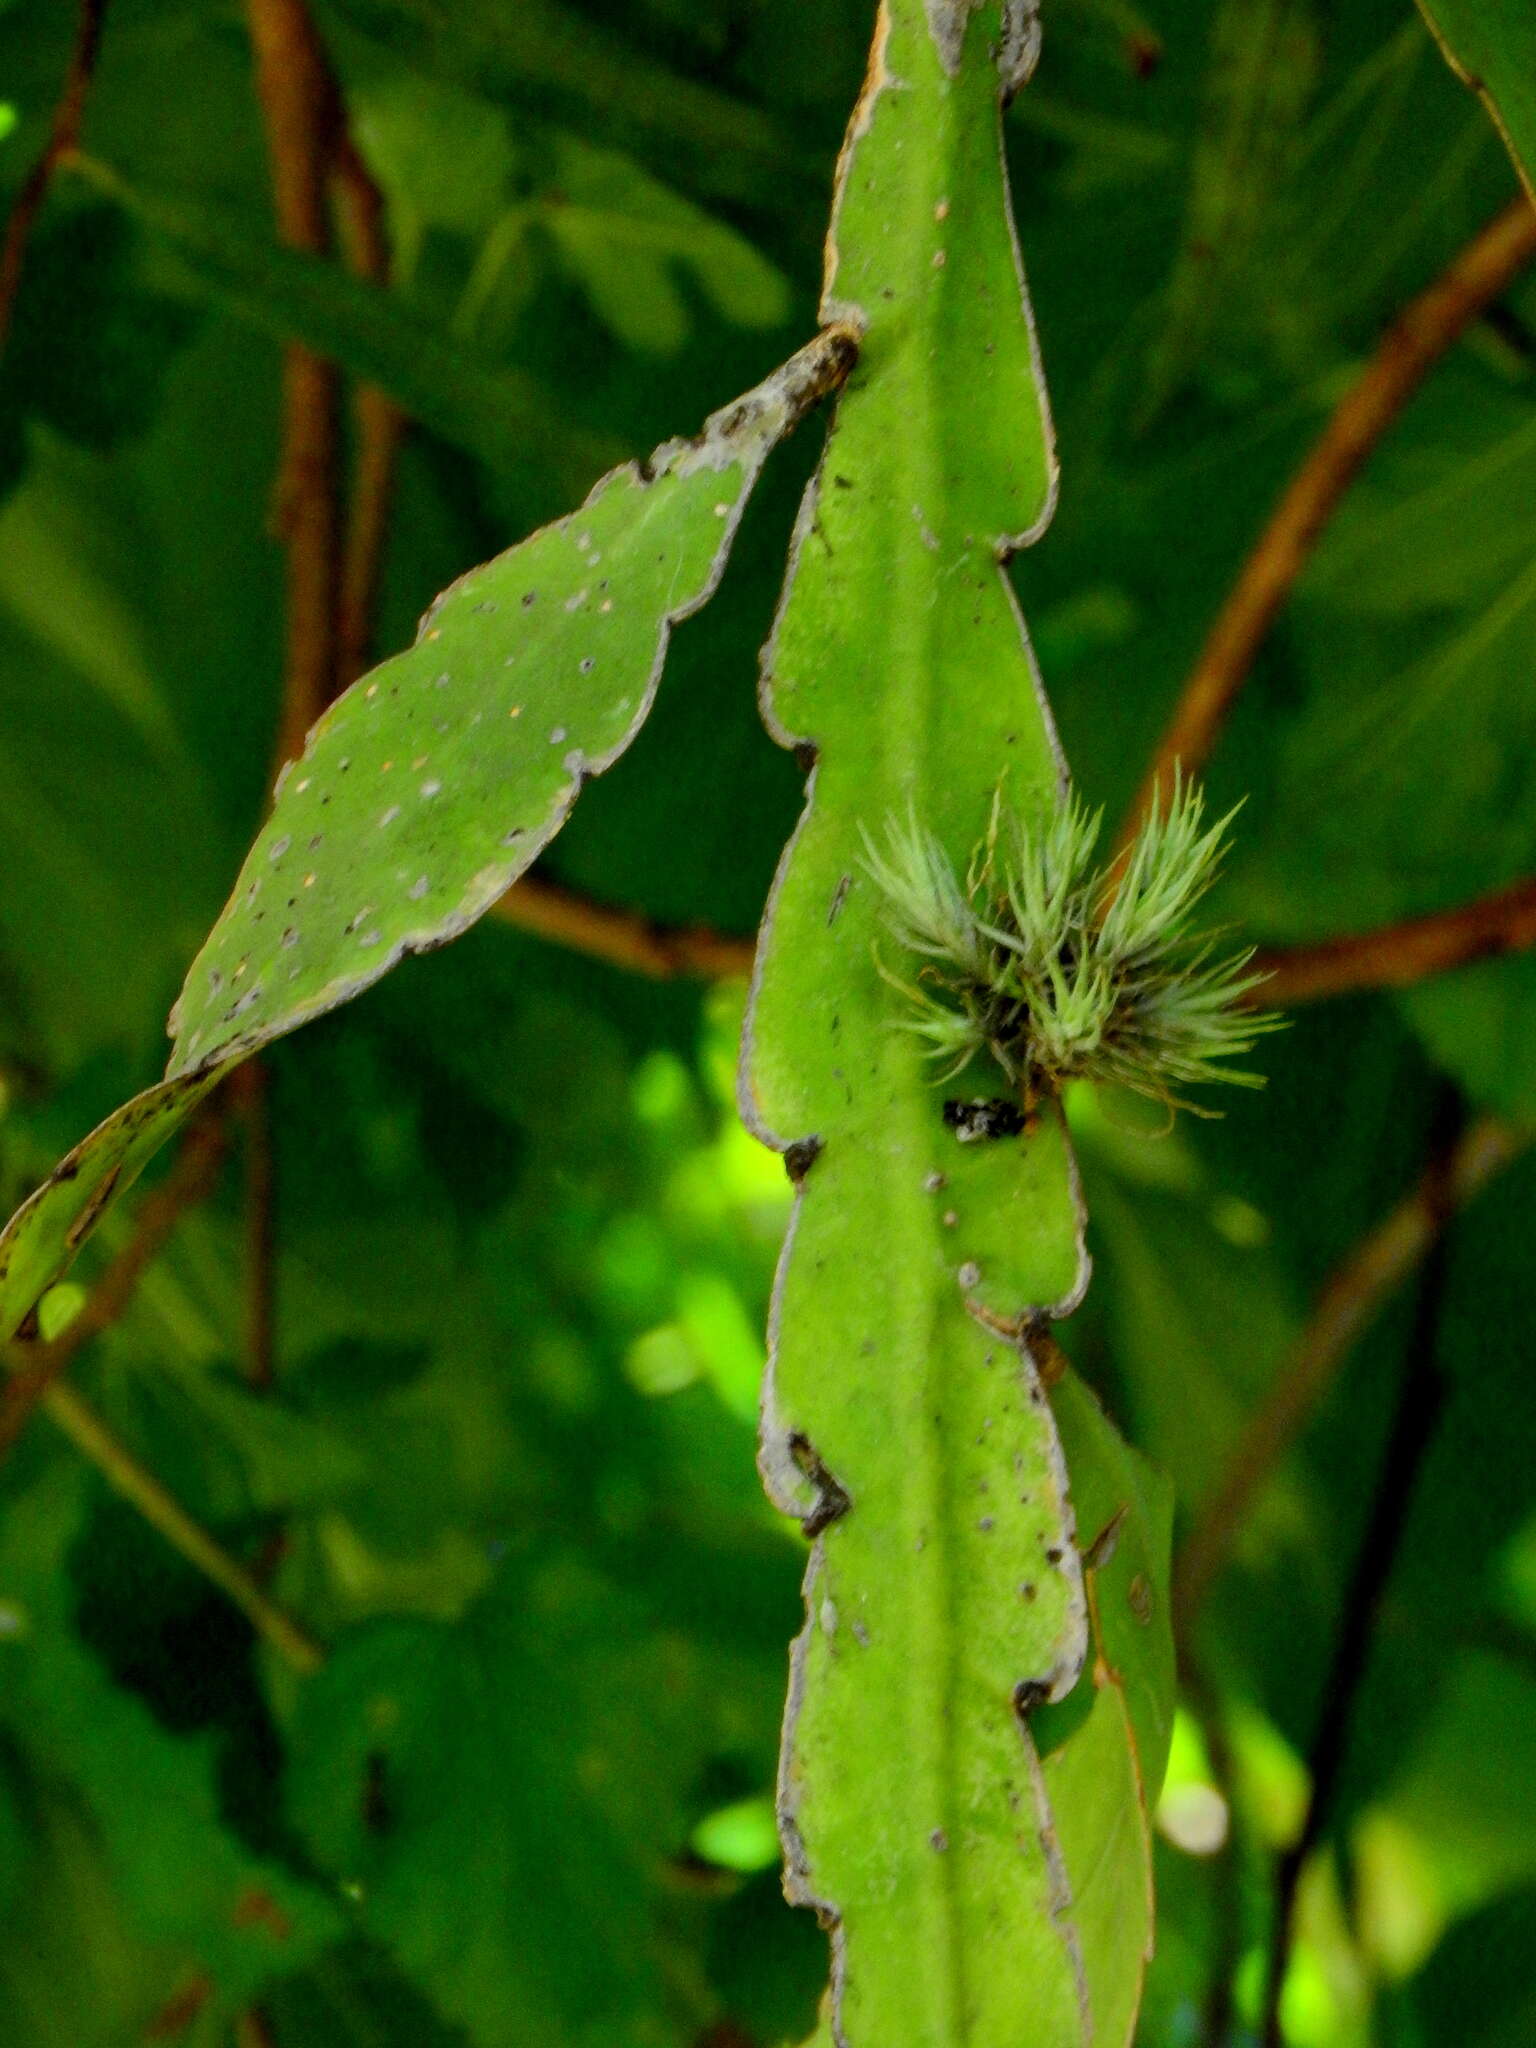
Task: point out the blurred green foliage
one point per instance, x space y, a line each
525 1249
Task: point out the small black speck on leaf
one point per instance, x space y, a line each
982 1118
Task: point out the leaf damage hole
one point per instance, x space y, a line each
801 1156
832 1501
984 1117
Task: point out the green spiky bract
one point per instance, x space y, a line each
1064 970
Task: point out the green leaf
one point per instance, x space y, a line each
41 1239
549 57
74 1971
621 233
1491 45
502 1798
188 1882
497 412
904 1419
430 786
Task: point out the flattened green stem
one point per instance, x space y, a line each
904 1420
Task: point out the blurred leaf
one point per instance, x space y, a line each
1491 45
1262 70
490 1794
189 1884
89 343
1477 1988
621 232
498 413
74 1971
354 1996
443 157
550 56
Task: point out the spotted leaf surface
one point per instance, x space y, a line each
905 1419
41 1239
429 787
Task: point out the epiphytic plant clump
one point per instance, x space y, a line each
1064 970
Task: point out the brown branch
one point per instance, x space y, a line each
381 425
1350 1301
181 2008
63 136
252 2030
1415 1419
299 109
190 1180
1397 955
1409 349
624 938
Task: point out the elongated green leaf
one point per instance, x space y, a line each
904 1419
432 784
498 413
1491 44
41 1239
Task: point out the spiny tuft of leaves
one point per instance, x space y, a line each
1065 970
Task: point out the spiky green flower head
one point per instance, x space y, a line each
1063 969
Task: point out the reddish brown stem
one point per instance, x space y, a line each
1397 955
380 423
622 937
1348 1304
1410 348
299 110
63 136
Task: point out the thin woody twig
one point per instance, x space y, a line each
252 2030
63 136
1397 955
138 1486
302 115
1349 1302
298 108
190 1179
1393 956
624 938
1416 1416
1414 343
380 423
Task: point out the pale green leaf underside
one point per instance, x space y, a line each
432 784
914 1807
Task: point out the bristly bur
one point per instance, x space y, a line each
1063 970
